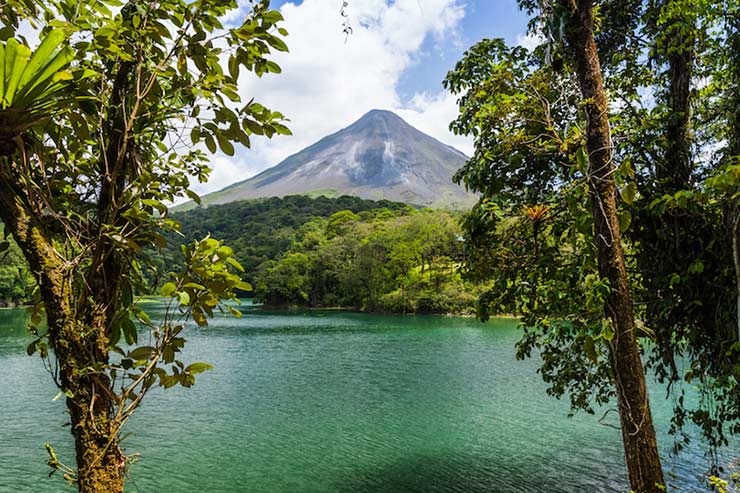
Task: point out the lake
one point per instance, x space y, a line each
338 402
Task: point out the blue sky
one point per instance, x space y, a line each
483 19
396 59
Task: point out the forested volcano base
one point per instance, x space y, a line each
339 252
342 252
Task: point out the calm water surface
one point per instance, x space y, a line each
337 402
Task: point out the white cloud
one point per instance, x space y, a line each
328 83
432 114
530 41
225 169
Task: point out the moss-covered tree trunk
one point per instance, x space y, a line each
100 462
79 347
641 451
79 315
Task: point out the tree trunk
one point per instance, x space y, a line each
734 149
78 346
675 174
100 462
638 434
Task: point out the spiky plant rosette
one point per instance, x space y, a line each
29 82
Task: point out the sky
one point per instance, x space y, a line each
395 59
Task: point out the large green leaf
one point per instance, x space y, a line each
30 80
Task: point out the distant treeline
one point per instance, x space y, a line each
339 252
319 252
262 229
403 261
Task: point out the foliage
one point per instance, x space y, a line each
672 76
101 126
729 483
531 234
258 230
404 261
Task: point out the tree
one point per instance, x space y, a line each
527 127
371 261
97 128
638 433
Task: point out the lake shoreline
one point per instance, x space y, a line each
298 308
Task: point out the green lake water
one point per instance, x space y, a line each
337 402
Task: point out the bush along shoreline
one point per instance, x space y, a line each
380 261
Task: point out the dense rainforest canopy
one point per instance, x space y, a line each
607 157
338 252
405 261
260 230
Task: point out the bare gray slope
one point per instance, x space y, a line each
380 156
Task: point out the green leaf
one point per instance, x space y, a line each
281 129
20 60
127 295
142 353
169 289
625 219
252 126
115 334
198 368
696 267
226 146
581 159
273 67
141 315
234 263
193 196
277 43
184 298
199 317
210 143
629 192
607 329
272 17
129 330
42 56
168 354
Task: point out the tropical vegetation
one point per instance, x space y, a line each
607 158
258 230
406 261
101 126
